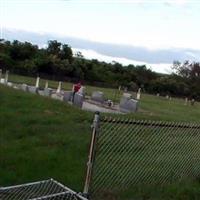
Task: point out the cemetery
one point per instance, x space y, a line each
96 102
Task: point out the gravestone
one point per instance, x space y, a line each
59 87
9 84
40 92
48 92
37 84
98 96
46 84
186 101
67 96
6 77
78 99
57 96
192 102
82 90
24 87
127 104
16 87
127 95
32 89
2 80
138 96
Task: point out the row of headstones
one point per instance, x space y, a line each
58 94
186 101
127 103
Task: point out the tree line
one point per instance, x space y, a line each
58 62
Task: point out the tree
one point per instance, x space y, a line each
54 47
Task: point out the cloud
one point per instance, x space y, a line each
91 54
176 2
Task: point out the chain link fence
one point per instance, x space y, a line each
129 153
42 190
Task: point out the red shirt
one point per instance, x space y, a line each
77 87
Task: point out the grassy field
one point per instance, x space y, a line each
151 107
130 155
42 138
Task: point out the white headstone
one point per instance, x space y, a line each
138 96
46 84
59 87
24 87
9 84
37 84
186 101
6 77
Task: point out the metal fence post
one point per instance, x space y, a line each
91 156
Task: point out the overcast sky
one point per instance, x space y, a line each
153 24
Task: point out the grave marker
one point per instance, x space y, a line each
98 96
24 87
78 100
37 84
67 96
59 87
186 101
127 104
138 94
48 92
46 84
6 77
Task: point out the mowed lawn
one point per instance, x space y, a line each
150 106
42 138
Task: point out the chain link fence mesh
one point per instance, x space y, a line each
42 190
131 153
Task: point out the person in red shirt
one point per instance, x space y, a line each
76 88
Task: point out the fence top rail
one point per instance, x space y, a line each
129 121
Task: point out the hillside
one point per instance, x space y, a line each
41 138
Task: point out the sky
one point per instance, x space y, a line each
150 24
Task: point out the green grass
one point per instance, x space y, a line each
42 138
132 156
151 107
